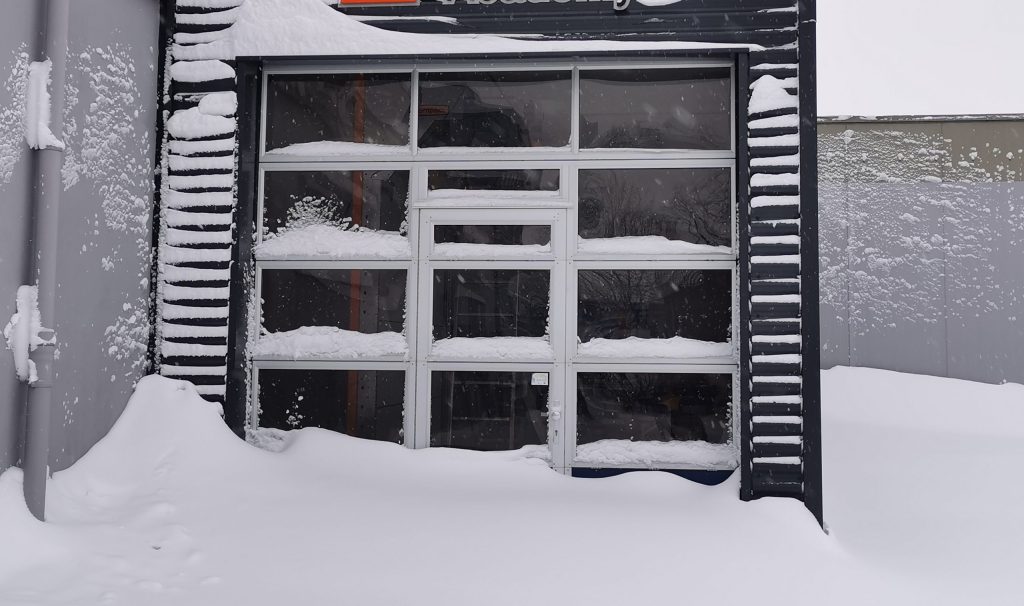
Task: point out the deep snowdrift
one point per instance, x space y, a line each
171 508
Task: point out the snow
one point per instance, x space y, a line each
171 508
23 333
645 245
338 148
12 113
636 347
768 93
918 57
192 123
219 104
201 71
328 342
466 250
330 242
504 348
695 454
37 108
309 27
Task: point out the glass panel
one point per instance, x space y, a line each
495 109
505 235
361 403
655 304
354 108
375 199
503 180
656 108
490 303
692 205
487 410
361 300
653 406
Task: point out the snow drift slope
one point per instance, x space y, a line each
171 508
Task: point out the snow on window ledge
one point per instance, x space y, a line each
500 348
465 250
327 242
646 245
328 343
636 347
698 454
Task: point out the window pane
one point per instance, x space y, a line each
502 180
505 235
655 304
490 303
691 205
487 410
361 300
653 406
355 108
656 108
375 199
361 403
495 109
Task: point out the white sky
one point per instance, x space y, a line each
920 57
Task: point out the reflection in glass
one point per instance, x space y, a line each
487 410
374 199
495 109
693 205
504 235
534 179
363 300
656 108
354 108
655 304
653 406
361 403
490 303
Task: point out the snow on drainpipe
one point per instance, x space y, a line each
48 156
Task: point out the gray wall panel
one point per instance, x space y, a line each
18 22
930 217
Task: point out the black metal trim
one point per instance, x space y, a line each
163 107
813 497
720 52
743 237
249 78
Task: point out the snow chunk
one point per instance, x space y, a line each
328 342
636 347
219 104
23 333
37 108
520 348
645 245
330 242
768 93
201 71
701 455
194 124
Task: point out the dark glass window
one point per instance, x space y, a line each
375 199
504 180
363 300
490 303
689 204
487 410
361 403
354 108
495 109
656 108
505 235
649 406
655 304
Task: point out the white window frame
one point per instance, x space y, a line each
422 203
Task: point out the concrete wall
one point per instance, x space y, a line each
922 241
102 323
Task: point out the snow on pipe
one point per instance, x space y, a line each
25 332
37 108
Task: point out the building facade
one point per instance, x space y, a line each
587 239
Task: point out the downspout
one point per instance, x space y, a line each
46 191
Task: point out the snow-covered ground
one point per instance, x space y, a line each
922 499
